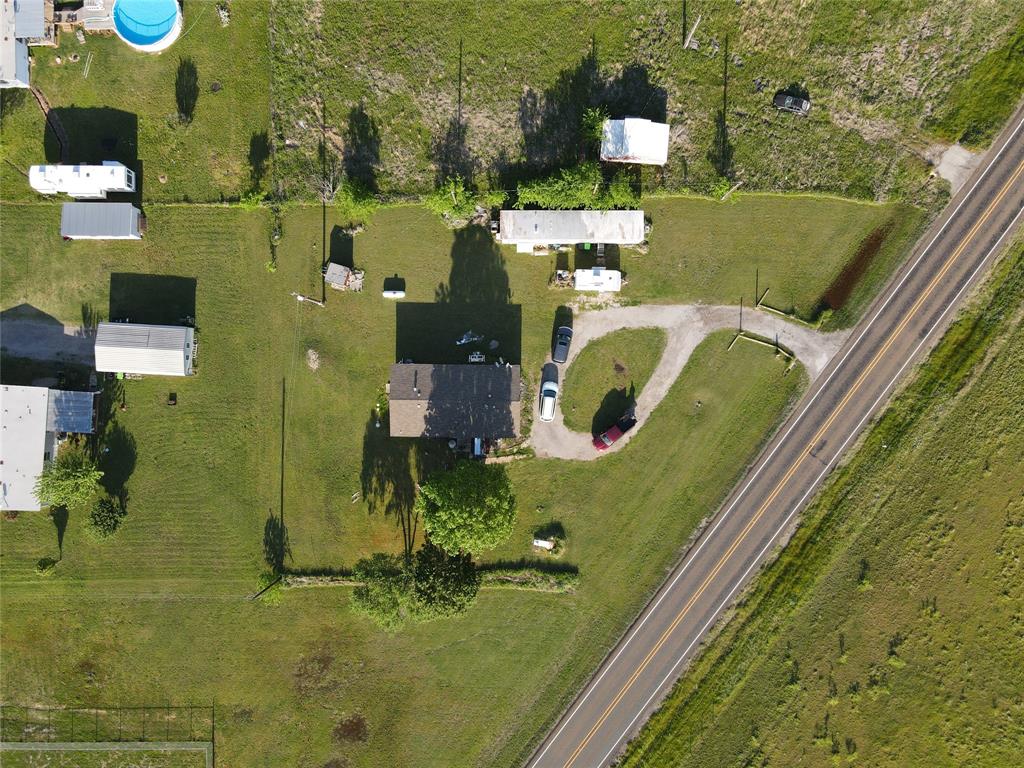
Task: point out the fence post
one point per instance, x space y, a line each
72 724
120 717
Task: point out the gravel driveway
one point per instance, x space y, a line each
686 326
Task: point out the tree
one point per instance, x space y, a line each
386 592
445 584
469 509
70 480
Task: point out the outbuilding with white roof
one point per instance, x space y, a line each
159 350
634 140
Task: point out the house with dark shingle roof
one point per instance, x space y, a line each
455 401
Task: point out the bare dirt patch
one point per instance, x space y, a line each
352 729
313 673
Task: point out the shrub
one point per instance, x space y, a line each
445 584
45 566
385 595
105 517
582 186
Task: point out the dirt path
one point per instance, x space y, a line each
686 325
46 340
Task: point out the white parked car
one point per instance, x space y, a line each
548 396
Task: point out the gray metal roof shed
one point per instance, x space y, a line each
100 221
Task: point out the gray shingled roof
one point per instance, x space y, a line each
460 401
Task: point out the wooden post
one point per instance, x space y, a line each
741 314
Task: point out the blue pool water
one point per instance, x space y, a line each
144 22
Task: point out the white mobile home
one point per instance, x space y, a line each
32 419
100 221
528 229
160 350
634 140
89 182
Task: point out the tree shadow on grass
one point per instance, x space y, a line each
276 549
550 530
361 156
186 89
59 515
259 154
617 403
117 459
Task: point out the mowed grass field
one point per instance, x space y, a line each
110 759
607 376
888 633
160 611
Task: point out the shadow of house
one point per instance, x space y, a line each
551 120
429 333
96 134
28 332
361 155
152 299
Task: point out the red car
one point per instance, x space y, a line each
603 441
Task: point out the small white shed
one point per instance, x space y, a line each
634 140
89 182
100 221
160 350
597 279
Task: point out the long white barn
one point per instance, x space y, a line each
159 350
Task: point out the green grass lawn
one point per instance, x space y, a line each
159 612
888 633
607 377
126 109
495 91
111 759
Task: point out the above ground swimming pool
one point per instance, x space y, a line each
147 25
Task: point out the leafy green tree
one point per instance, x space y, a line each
452 200
70 480
469 509
386 592
592 124
105 517
445 584
582 186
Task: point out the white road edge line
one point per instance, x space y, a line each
814 486
650 609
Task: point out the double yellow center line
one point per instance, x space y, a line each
799 460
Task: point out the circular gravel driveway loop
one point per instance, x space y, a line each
686 326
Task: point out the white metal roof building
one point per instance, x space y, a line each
30 420
634 140
160 350
82 181
530 228
100 221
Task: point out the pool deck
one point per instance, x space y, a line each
97 16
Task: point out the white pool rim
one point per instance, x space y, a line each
160 45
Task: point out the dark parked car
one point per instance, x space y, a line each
794 104
563 338
603 441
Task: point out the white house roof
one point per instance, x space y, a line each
597 279
634 140
544 227
28 19
13 52
23 445
161 350
81 180
100 221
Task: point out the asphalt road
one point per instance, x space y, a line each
904 322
